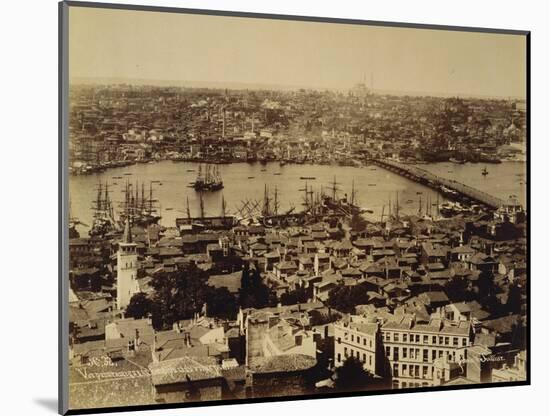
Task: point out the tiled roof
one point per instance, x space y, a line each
184 369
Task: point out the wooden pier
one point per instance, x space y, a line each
422 176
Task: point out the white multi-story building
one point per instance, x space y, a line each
421 355
356 336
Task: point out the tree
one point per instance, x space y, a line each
178 294
456 289
518 336
245 278
317 318
514 301
485 284
487 292
254 293
140 306
220 302
299 295
351 375
346 298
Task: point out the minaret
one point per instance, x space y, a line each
127 266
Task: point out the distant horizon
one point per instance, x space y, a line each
162 48
236 86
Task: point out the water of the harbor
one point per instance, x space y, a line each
375 187
502 180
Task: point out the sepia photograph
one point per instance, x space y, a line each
264 207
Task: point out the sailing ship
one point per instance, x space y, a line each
208 179
103 217
138 207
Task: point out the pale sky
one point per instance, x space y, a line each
129 45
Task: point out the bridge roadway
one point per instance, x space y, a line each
430 180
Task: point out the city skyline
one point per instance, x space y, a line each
169 49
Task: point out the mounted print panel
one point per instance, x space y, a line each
261 208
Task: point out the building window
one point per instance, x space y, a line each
396 337
359 340
434 340
395 353
364 358
404 353
351 337
455 342
364 341
339 340
434 355
345 351
425 371
446 340
370 359
404 337
411 353
388 336
417 338
425 355
417 371
464 342
396 370
388 351
425 339
339 357
440 340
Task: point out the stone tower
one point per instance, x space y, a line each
127 266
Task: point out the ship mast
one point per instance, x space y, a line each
306 201
397 204
310 197
223 207
266 208
188 210
334 188
201 204
275 202
142 207
150 198
136 202
353 192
